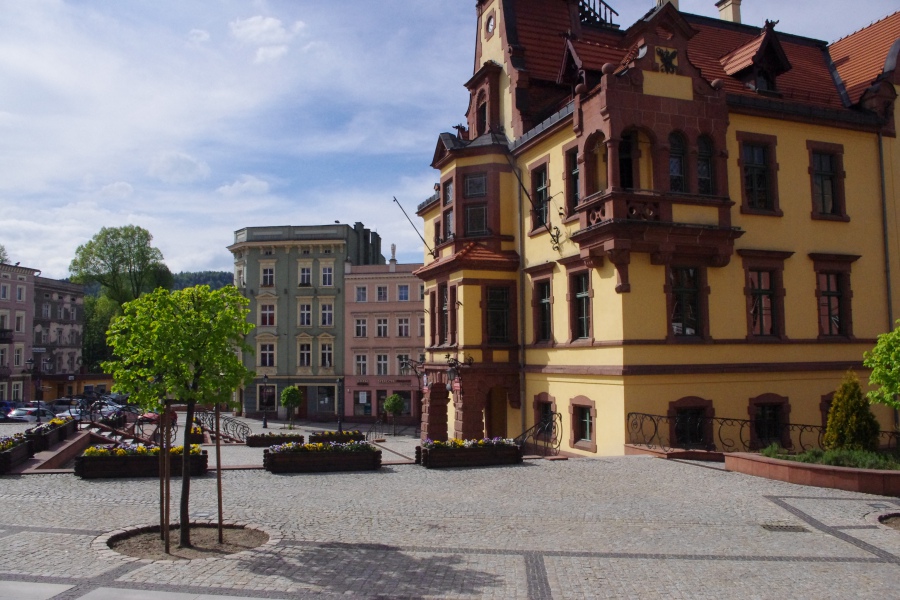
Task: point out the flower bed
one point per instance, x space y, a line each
273 439
468 453
321 457
46 435
334 436
14 450
135 461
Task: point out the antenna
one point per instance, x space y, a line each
430 251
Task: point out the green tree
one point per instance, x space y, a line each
98 314
4 257
183 345
884 360
851 424
120 259
393 405
290 399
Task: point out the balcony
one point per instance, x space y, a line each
668 226
6 336
5 373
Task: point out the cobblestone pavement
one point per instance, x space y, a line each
626 527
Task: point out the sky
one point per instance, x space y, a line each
196 118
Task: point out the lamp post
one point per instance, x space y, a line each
340 402
453 368
265 401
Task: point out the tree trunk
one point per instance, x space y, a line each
185 533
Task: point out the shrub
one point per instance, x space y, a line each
851 424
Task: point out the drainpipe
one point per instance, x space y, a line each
887 251
520 248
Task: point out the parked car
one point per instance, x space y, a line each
61 404
30 415
6 407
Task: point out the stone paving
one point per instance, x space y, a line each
625 527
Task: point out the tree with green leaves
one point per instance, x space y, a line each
99 312
183 345
290 399
4 257
884 360
123 261
393 405
851 424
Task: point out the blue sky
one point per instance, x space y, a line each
196 118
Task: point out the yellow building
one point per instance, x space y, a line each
690 218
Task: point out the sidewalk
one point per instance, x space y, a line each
623 527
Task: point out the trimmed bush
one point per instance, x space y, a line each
851 424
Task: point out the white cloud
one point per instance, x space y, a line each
178 167
263 31
198 36
269 53
118 190
246 185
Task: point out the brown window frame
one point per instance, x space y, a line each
510 312
839 265
581 402
691 402
573 271
542 165
836 151
773 262
711 159
543 399
769 399
770 142
702 302
537 307
572 175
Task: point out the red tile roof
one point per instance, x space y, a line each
860 56
808 81
472 256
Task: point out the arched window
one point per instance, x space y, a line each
676 163
480 115
627 160
704 165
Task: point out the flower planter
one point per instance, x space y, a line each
69 429
46 439
440 458
320 462
15 456
264 441
341 438
103 467
196 438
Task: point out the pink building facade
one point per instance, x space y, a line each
384 322
16 321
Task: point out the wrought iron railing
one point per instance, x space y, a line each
714 434
544 437
596 12
231 428
378 430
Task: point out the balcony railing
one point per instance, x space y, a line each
714 434
6 336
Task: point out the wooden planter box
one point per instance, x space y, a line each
343 438
440 458
264 441
196 438
15 456
69 429
46 440
320 462
104 467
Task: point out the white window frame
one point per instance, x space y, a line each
382 290
382 328
403 292
362 293
403 327
326 310
327 276
381 364
304 314
361 329
361 364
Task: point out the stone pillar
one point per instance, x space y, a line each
612 164
434 412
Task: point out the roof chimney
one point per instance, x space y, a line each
729 10
659 3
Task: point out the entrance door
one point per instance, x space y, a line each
495 414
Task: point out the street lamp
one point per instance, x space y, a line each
265 401
340 402
453 367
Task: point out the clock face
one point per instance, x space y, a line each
490 24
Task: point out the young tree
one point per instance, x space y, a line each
884 360
4 257
393 405
122 260
851 424
184 345
290 399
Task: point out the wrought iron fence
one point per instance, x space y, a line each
714 434
544 437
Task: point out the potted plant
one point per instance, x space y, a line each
393 405
468 453
321 457
14 450
134 460
290 399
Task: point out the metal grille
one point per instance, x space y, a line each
784 528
